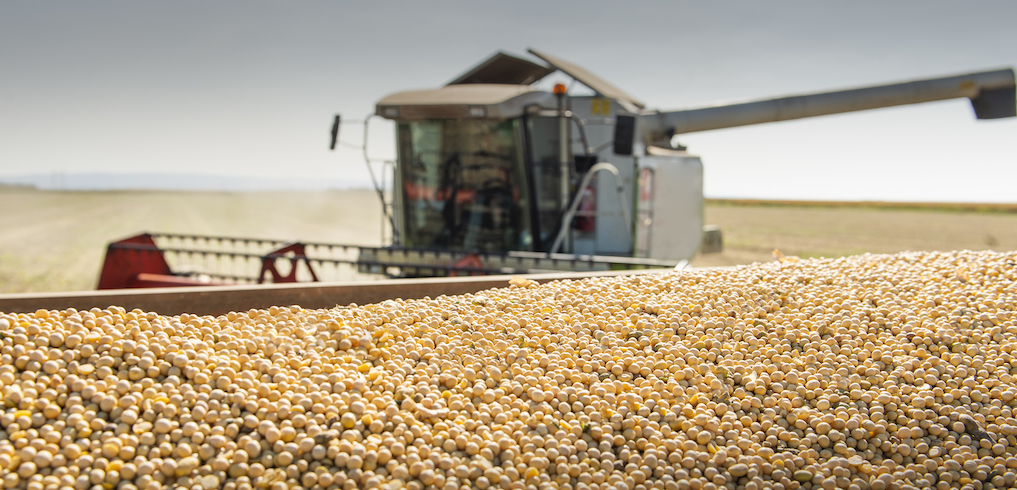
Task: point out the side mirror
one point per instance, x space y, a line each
624 134
335 131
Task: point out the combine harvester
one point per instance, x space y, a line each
496 176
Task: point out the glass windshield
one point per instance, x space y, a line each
546 160
463 185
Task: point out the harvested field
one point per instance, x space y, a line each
753 229
55 241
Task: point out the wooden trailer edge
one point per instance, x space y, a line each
218 300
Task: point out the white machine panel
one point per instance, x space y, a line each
669 205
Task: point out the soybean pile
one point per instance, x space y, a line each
873 371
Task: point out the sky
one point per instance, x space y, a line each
250 88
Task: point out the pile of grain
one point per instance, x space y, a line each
861 372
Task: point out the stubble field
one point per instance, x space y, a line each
55 241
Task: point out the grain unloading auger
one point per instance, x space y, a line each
494 175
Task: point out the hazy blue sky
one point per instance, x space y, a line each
249 88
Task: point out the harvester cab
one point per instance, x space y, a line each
491 163
496 175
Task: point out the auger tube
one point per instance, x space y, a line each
992 95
